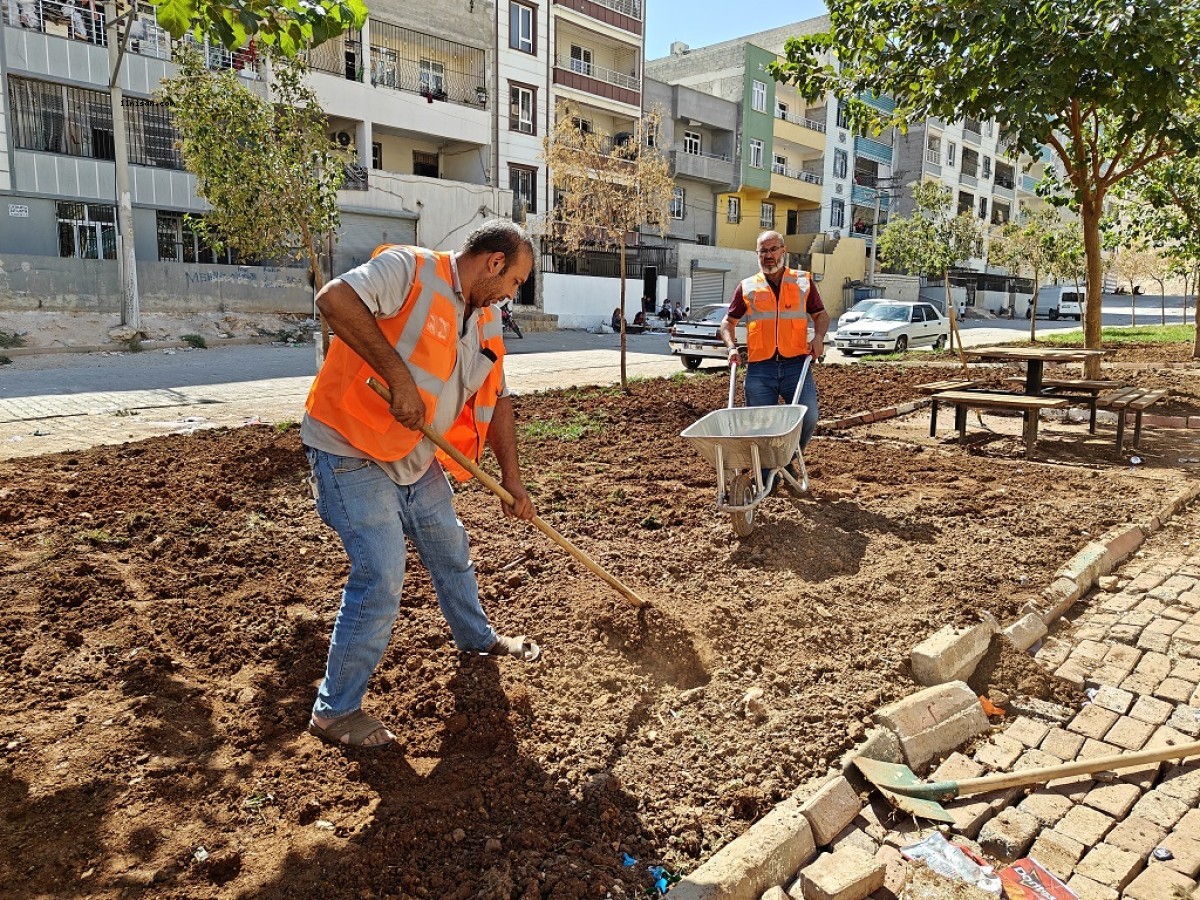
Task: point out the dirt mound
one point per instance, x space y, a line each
1007 670
169 605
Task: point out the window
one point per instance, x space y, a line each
758 97
781 109
951 153
840 163
581 60
983 208
376 155
918 314
780 164
522 101
837 213
987 167
733 213
692 143
150 135
58 119
86 230
651 135
843 115
425 164
384 64
522 181
584 125
766 215
677 203
756 153
178 242
521 35
433 77
793 222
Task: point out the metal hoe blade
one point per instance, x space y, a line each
886 776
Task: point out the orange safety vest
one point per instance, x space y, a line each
776 326
425 335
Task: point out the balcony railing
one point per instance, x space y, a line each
887 104
876 150
419 63
972 126
1029 183
800 120
866 196
1004 180
798 174
58 17
934 157
591 70
631 8
679 148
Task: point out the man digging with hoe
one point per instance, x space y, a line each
421 321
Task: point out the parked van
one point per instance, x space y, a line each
1059 301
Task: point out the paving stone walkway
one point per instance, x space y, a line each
1133 648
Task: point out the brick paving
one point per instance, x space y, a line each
1134 645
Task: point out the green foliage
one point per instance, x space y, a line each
1141 334
5 360
194 340
571 428
264 163
932 239
287 26
11 339
134 344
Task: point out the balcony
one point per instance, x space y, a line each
1029 184
933 157
788 182
887 104
418 63
597 80
799 130
711 167
875 150
624 14
968 178
972 131
866 196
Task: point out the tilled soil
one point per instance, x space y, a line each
169 605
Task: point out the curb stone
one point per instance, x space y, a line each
758 860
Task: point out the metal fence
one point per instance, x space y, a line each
607 263
407 60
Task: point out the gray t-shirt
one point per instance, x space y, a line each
383 284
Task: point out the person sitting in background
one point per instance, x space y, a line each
640 318
665 312
677 313
617 319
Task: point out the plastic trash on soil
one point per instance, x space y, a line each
950 860
1025 879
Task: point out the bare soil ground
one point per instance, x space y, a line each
168 605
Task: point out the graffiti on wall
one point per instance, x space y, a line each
269 277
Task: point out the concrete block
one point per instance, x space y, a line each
1185 719
1186 853
1151 710
1158 883
881 744
1086 825
1057 852
1110 866
1182 781
848 874
767 854
1086 889
1062 743
775 893
1058 598
1113 698
1128 733
1160 807
1026 631
1093 721
1137 835
1009 834
999 753
1119 544
1115 799
1046 806
933 722
854 837
950 654
1029 732
831 809
1175 690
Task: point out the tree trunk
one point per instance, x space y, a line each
624 380
1037 283
1089 215
1162 303
318 281
1196 341
954 332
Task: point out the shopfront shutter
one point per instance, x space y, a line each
708 287
360 233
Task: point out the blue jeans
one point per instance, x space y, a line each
372 514
771 379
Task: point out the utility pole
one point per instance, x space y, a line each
875 237
131 314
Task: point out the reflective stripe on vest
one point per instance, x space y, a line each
424 334
776 326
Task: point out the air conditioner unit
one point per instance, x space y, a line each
343 138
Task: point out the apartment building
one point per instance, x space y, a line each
419 105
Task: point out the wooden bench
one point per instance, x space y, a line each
952 385
1130 398
1088 389
964 400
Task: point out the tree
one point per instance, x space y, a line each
288 26
1164 200
1105 85
1040 244
932 241
605 190
262 159
1131 261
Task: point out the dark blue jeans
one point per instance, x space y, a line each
772 379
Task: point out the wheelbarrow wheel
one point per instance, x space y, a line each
742 494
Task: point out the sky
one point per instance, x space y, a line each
699 23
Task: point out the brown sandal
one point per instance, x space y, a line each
351 730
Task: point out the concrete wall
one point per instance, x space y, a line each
86 285
741 263
899 287
847 261
581 301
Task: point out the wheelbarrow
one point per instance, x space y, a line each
745 442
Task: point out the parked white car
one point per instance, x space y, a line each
894 326
695 338
858 310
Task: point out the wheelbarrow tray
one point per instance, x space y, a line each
775 430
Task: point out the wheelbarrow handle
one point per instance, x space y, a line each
500 491
732 382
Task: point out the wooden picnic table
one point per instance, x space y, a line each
1035 359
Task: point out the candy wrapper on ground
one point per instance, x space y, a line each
1025 879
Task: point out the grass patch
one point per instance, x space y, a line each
10 339
195 341
1141 334
570 429
5 360
100 537
285 424
134 345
